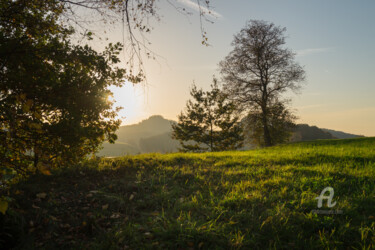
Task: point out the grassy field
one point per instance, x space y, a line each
251 200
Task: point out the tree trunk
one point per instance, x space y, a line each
36 160
266 132
36 156
267 135
211 136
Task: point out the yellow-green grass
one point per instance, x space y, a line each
251 199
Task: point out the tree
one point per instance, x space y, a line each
258 70
281 125
54 106
209 123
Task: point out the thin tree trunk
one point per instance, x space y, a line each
267 135
36 156
266 131
36 160
211 136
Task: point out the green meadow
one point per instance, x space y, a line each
256 199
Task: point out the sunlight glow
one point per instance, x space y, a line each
131 98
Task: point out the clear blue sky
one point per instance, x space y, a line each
334 40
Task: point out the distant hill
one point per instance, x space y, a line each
304 132
162 143
154 135
341 135
150 135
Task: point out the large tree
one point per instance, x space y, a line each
258 71
210 122
54 106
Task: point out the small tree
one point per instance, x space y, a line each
210 122
258 70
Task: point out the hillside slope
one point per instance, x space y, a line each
155 130
304 132
340 134
251 199
154 135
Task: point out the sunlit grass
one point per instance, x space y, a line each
251 199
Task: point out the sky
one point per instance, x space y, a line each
333 40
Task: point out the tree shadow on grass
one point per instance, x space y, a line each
158 205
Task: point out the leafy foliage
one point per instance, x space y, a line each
54 106
209 123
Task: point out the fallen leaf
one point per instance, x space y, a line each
44 169
41 195
53 218
200 245
105 207
36 207
148 235
115 216
64 225
131 197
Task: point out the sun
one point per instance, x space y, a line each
130 97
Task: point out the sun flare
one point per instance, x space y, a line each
130 97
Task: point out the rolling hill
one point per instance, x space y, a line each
340 134
154 135
146 136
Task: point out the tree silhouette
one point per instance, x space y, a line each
54 106
258 70
209 123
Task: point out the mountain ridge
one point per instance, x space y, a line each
154 135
